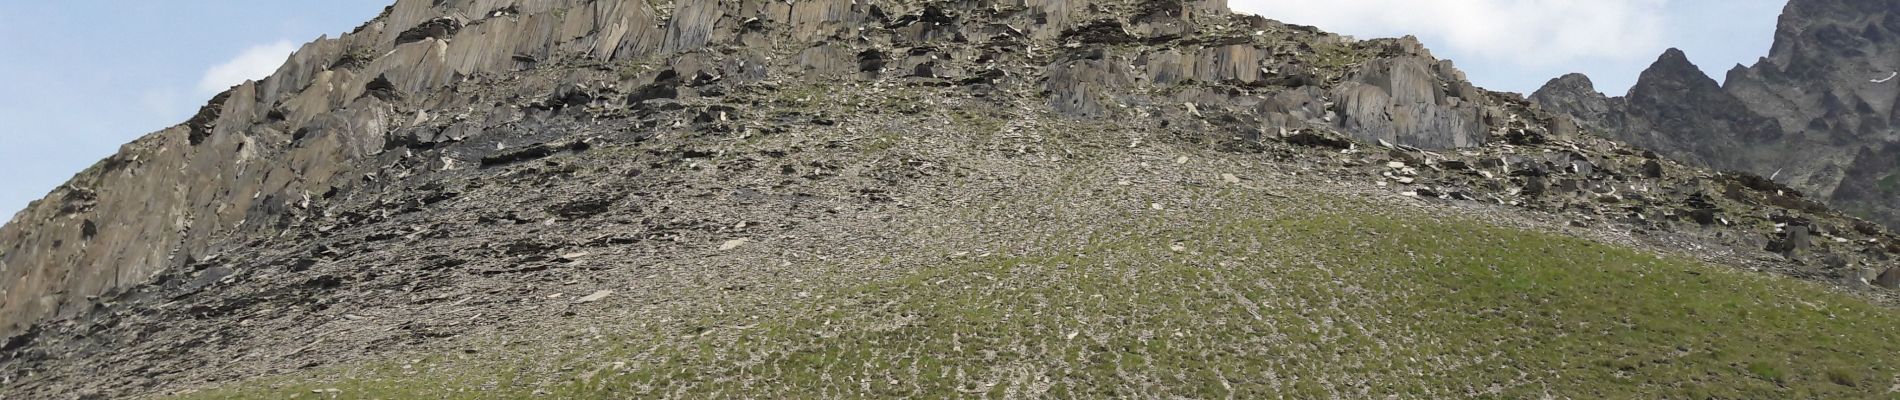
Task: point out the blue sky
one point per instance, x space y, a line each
83 77
86 76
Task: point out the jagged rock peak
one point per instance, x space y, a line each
1816 113
1571 82
1574 97
1568 93
1674 71
1673 57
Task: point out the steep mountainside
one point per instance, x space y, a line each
522 180
1819 113
266 156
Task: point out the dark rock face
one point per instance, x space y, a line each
1575 96
1674 109
1818 113
1673 97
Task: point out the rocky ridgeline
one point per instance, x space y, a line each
266 155
1821 113
445 157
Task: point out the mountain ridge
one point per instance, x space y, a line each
483 170
1814 113
296 111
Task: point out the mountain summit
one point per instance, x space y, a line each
1819 113
851 198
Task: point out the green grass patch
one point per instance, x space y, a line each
1336 56
1353 306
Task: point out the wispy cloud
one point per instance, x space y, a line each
1521 32
256 62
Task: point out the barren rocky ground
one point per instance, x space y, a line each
1144 199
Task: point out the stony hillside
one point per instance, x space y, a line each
1820 113
590 198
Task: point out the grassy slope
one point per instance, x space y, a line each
1349 305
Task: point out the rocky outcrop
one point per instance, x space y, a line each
1576 95
1806 115
1414 99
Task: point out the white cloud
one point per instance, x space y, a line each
256 62
1521 32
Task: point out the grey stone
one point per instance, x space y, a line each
1889 279
596 296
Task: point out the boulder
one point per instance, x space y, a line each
1889 279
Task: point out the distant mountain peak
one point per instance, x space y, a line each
1813 113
